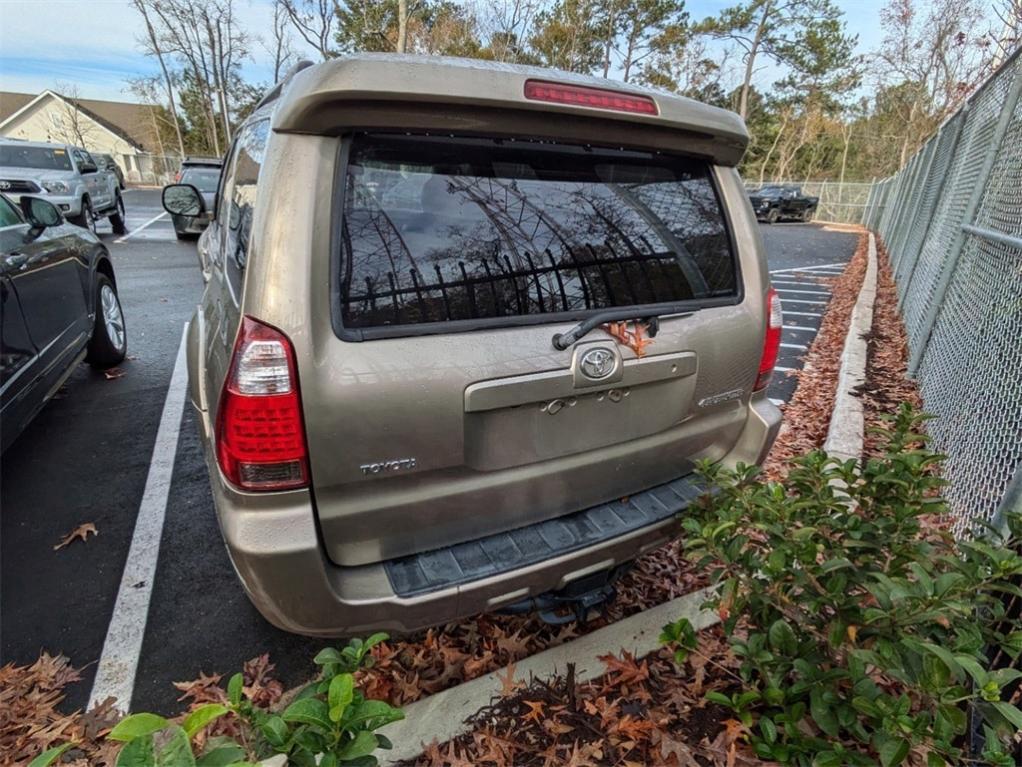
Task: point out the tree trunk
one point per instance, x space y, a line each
154 41
608 41
750 61
402 25
630 53
846 134
773 146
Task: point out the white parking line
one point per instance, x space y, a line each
133 232
783 370
804 292
801 314
802 301
800 347
115 675
778 402
798 327
806 268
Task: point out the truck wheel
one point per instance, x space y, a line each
85 219
117 218
807 215
109 342
773 216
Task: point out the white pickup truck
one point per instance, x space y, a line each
66 176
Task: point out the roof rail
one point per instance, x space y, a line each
274 92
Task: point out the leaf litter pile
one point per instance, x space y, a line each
647 711
31 721
887 383
641 712
807 414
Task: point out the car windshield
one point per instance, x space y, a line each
203 180
43 158
446 229
769 191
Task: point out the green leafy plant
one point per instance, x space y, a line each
50 755
860 626
329 717
329 723
153 741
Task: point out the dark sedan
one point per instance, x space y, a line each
59 306
776 203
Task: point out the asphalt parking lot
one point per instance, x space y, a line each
87 457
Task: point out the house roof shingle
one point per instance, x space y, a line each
131 122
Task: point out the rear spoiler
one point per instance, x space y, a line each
433 93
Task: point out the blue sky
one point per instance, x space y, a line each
92 43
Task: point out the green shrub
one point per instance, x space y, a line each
861 627
330 717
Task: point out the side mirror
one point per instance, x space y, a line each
86 168
183 200
40 213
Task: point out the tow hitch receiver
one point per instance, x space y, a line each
578 598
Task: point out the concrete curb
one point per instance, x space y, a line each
442 716
847 422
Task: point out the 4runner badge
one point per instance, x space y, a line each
597 363
398 464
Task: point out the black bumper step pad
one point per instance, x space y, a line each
495 554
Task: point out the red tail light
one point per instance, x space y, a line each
260 437
772 340
582 96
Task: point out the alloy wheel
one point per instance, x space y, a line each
112 317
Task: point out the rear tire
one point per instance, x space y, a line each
85 219
807 215
117 218
109 342
773 216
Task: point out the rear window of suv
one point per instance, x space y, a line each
446 229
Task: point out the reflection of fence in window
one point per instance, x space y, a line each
493 287
520 247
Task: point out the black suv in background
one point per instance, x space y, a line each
775 202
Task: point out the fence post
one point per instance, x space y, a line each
867 212
911 221
900 211
968 216
963 115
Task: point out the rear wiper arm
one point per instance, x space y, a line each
562 341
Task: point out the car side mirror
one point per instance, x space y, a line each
40 213
183 200
87 168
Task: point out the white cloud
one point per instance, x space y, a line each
94 45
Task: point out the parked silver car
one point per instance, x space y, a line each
467 328
64 175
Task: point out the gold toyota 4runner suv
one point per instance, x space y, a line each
465 331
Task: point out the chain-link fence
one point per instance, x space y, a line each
839 201
951 220
148 169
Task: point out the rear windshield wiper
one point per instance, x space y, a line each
562 341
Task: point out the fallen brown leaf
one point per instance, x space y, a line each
81 532
113 373
508 685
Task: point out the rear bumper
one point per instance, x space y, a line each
274 545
